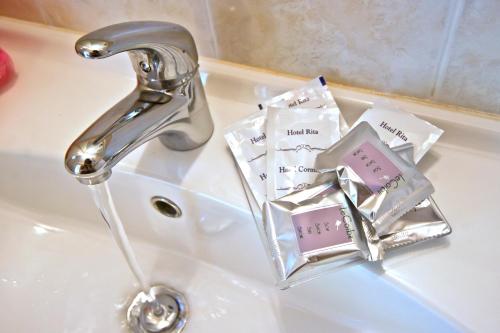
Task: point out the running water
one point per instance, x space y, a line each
103 201
155 309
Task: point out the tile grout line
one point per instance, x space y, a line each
43 14
452 21
208 10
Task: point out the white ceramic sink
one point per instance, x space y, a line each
61 272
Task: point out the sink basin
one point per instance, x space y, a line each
61 272
64 272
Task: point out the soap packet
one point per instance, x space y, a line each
380 184
397 127
315 94
247 141
247 137
311 231
424 221
295 137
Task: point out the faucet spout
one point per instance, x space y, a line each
136 119
170 104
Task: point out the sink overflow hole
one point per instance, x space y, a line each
166 206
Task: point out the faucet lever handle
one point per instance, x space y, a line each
163 54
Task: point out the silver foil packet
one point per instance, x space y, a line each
424 221
380 184
310 231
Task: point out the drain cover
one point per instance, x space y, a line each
161 310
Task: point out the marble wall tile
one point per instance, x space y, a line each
387 45
473 75
88 15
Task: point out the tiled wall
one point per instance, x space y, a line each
444 50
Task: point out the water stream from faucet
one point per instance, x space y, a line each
154 313
104 201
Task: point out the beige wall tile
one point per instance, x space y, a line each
23 9
87 15
473 75
384 45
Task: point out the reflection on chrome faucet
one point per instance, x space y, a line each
168 101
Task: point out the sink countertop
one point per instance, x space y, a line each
58 94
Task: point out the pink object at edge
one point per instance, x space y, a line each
6 69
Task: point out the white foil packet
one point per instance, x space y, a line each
397 127
247 137
247 141
313 95
294 139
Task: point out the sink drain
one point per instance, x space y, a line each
162 310
166 206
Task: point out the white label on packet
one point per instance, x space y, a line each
396 127
295 138
247 137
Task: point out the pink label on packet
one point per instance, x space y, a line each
374 168
320 228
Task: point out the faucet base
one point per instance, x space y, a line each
193 131
187 143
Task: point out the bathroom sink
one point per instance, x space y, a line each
61 272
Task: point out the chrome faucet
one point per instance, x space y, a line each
168 101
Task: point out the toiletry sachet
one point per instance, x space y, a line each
294 138
310 231
380 184
423 222
247 137
397 127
